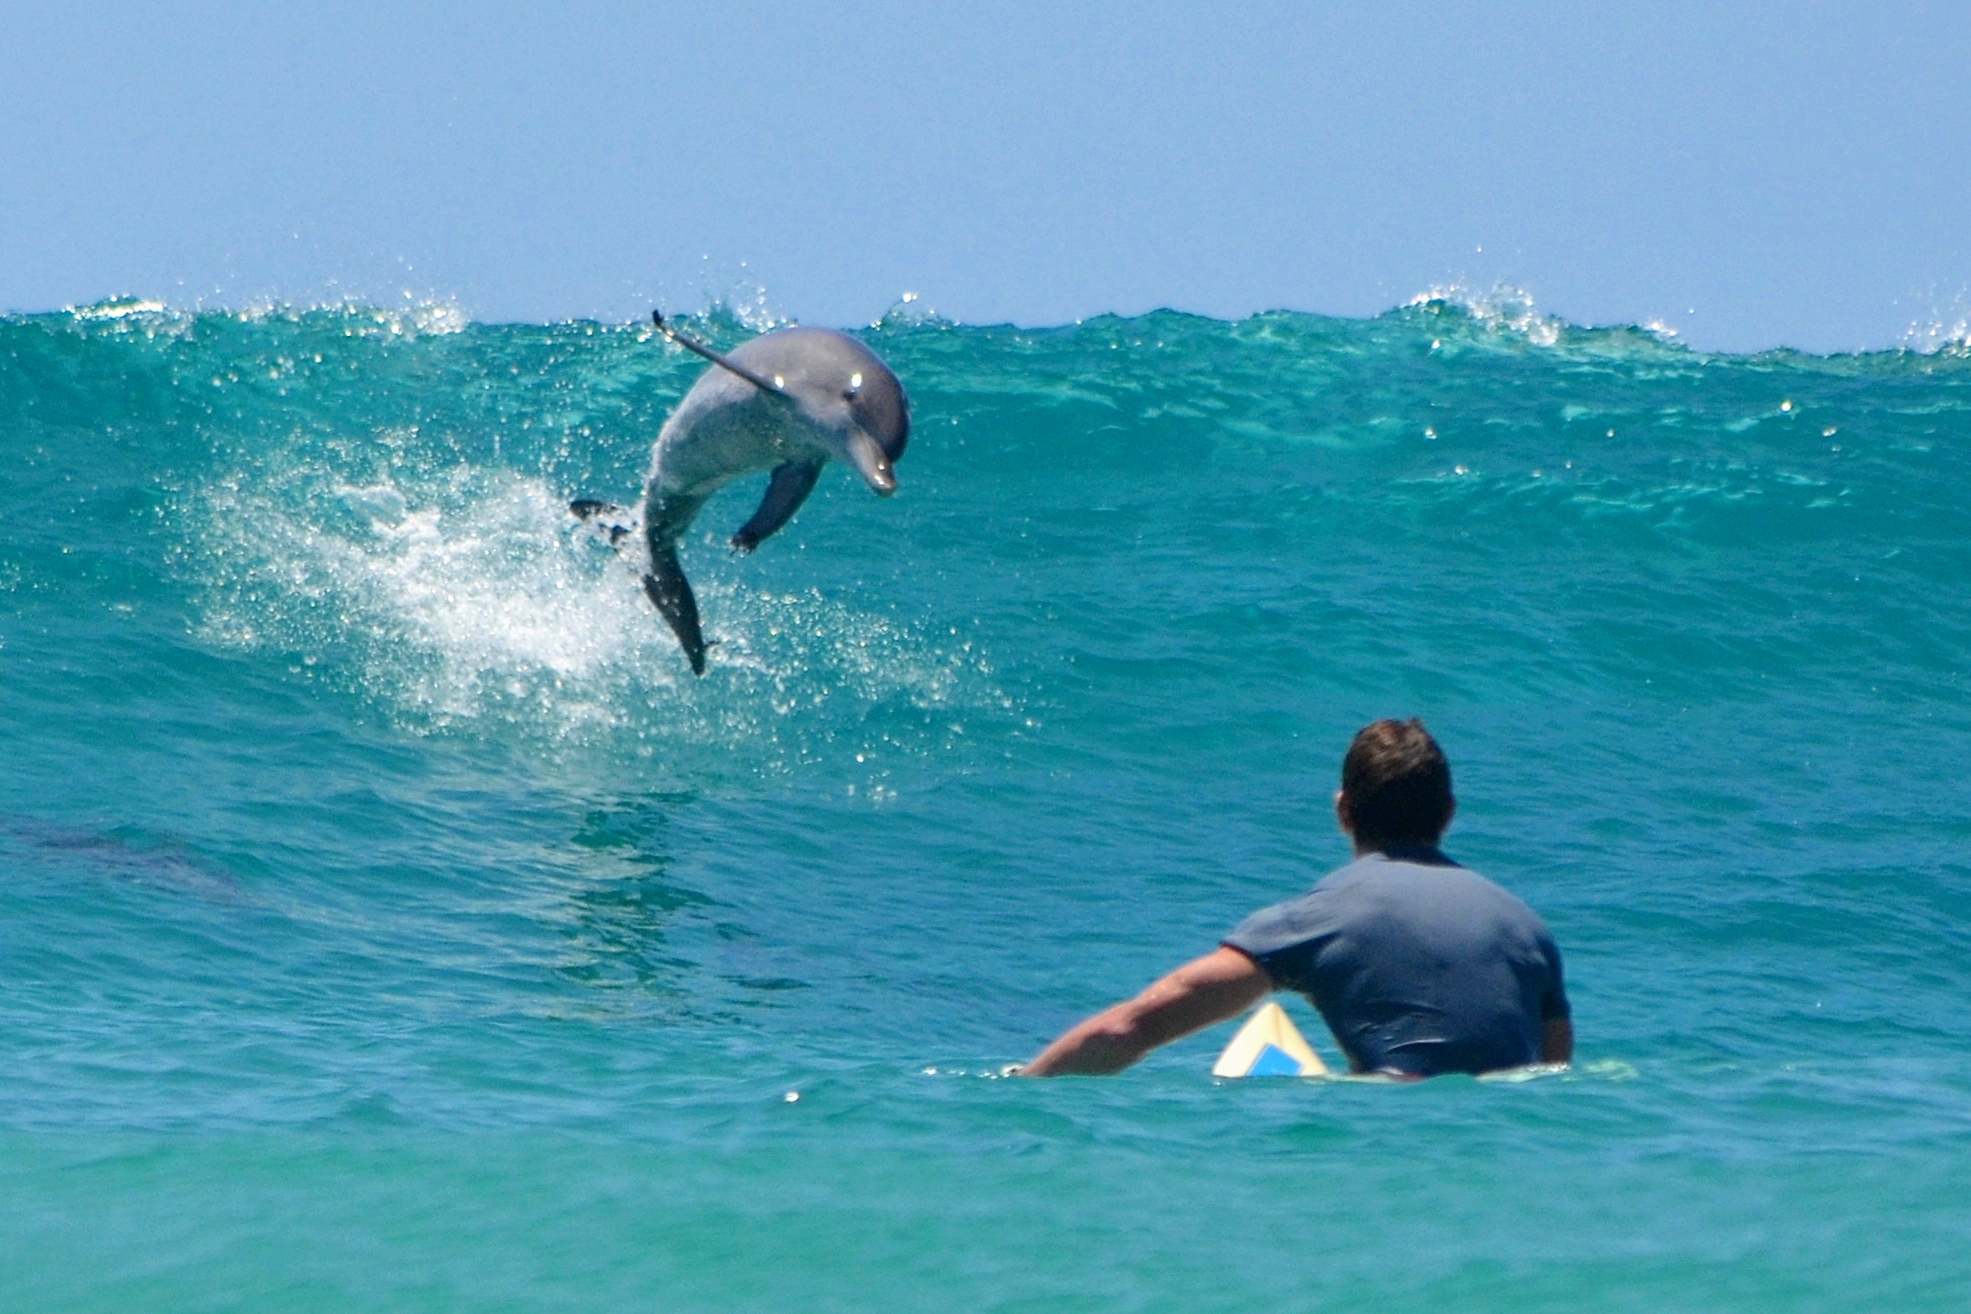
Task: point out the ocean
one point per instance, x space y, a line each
389 920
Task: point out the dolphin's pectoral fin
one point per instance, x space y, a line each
789 487
606 518
667 587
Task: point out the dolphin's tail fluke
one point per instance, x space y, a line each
671 592
664 582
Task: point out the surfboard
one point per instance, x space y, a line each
1269 1045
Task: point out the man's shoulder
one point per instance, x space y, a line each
1287 922
1395 866
1321 907
1403 878
1464 894
1369 871
1377 885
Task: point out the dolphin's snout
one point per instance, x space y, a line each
872 463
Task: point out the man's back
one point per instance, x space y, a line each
1418 965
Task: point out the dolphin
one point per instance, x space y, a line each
787 402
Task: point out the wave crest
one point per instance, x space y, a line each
1501 308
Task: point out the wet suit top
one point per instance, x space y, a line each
1418 965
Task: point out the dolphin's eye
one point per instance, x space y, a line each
855 384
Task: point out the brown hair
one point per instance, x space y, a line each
1396 784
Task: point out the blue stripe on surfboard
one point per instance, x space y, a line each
1272 1061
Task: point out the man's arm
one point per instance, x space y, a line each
1205 990
1557 1040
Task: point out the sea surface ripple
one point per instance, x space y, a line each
389 920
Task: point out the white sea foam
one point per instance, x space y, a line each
911 311
118 308
472 598
413 319
739 296
1502 307
1947 332
131 315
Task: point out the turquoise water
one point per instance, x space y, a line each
388 919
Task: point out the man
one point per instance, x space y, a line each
1418 965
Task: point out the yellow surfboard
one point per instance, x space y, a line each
1269 1045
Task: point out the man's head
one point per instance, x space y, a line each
1395 786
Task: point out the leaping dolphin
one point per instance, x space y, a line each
786 401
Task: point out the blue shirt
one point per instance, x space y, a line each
1417 965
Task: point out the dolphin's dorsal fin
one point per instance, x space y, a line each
776 387
791 483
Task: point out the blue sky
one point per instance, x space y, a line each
1748 174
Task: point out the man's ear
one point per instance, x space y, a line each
1343 814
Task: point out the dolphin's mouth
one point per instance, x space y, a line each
872 463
